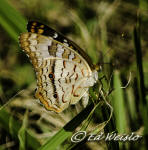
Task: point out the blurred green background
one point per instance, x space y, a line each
114 34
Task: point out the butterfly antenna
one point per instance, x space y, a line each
98 66
10 99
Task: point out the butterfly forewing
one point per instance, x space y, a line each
37 27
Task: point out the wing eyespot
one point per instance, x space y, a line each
55 95
51 75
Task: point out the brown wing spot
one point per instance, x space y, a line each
62 72
67 74
71 76
72 89
82 72
66 80
59 82
63 93
64 64
69 54
63 99
47 70
76 95
76 77
74 69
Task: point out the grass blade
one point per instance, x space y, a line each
4 123
119 104
67 130
11 20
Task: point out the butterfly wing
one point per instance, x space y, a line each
61 72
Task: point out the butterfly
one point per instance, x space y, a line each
63 70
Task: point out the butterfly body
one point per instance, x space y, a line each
63 74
